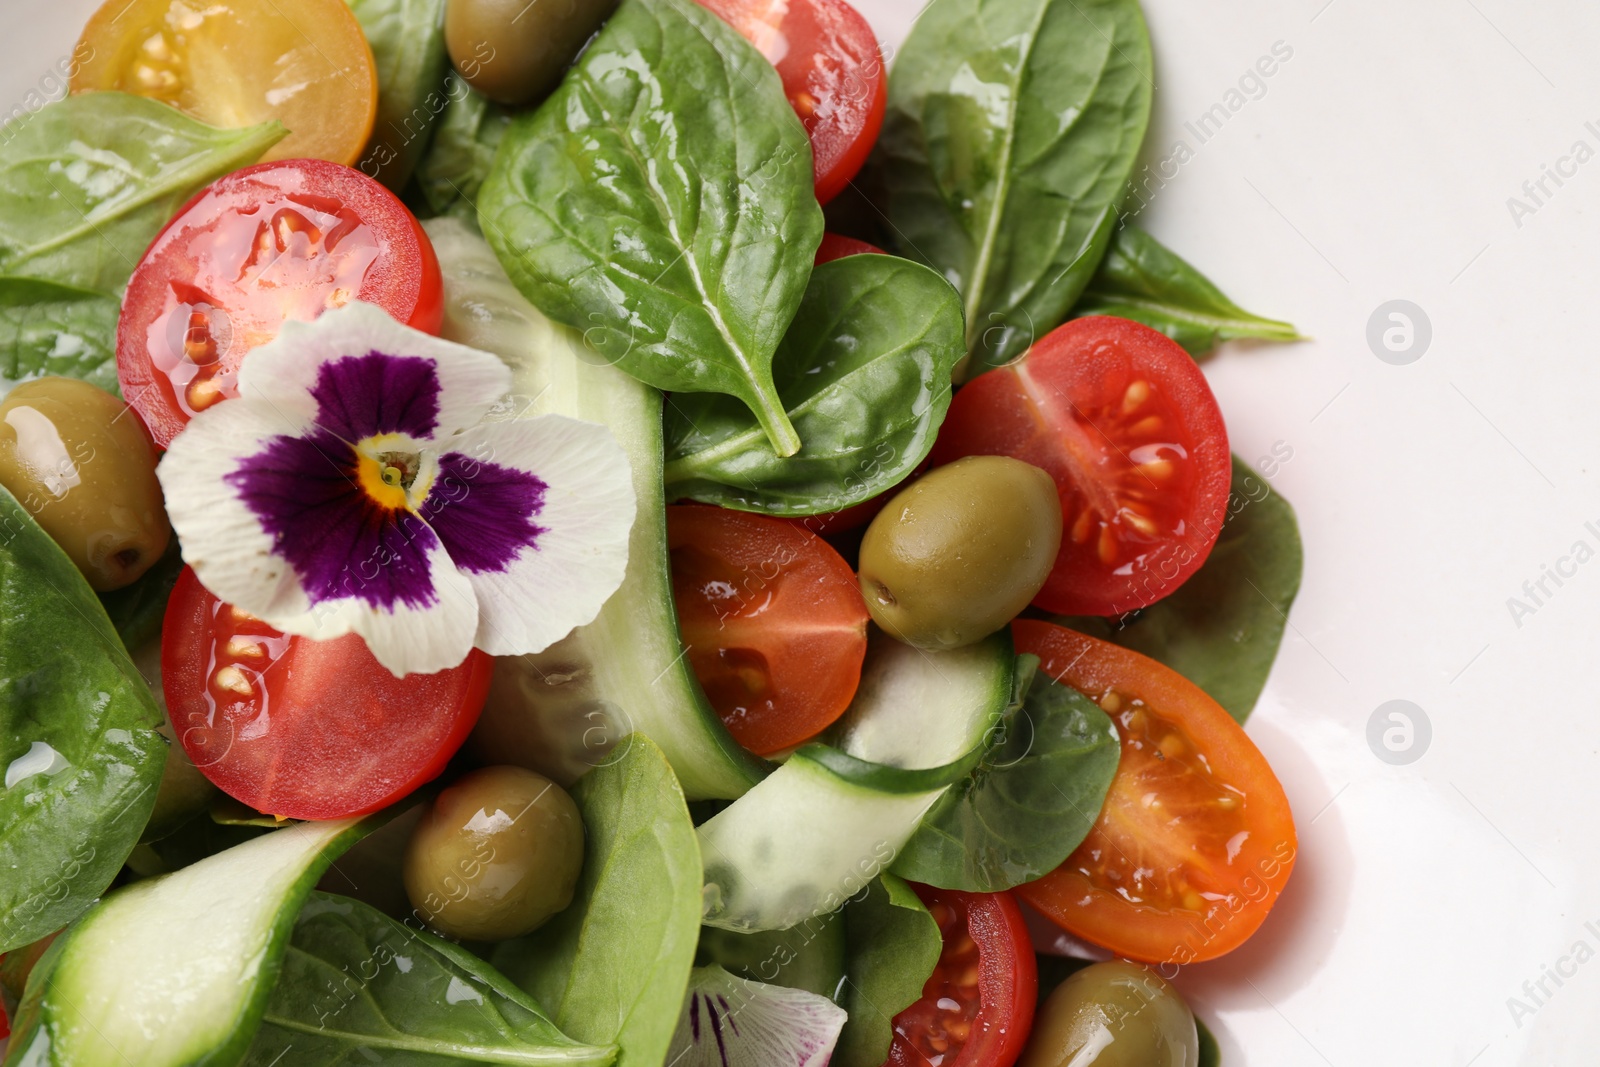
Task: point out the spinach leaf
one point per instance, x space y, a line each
864 372
74 710
1029 803
1011 132
613 967
1142 280
47 328
356 985
807 956
661 201
87 182
893 946
1210 1051
407 39
1222 628
1053 970
136 610
463 148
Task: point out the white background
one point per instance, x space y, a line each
1377 166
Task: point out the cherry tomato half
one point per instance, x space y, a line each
1125 423
977 1006
305 63
265 244
300 728
835 246
832 71
1195 840
774 621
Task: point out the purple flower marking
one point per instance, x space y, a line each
483 512
340 542
363 396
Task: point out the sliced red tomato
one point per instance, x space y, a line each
1195 840
300 728
832 71
977 1006
5 1022
835 246
1124 421
261 246
774 621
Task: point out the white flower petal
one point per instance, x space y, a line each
281 374
580 553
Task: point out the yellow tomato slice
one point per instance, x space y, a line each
235 63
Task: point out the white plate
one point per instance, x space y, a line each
1376 165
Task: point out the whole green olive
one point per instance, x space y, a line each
961 551
1115 1014
497 854
515 51
82 465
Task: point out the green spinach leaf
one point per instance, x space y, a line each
1011 132
864 372
136 610
87 182
1029 803
407 39
807 956
1210 1051
1140 279
893 946
357 984
463 148
75 713
661 201
613 967
47 328
1222 628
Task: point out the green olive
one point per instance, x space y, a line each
497 854
83 466
961 551
515 51
1114 1014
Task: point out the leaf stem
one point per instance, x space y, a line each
774 420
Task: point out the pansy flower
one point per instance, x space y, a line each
357 485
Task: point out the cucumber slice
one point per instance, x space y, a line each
821 827
560 711
921 710
175 970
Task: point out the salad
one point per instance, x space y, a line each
619 533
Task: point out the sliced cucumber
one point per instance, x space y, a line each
560 711
175 970
920 710
830 820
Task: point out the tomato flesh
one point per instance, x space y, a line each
977 1006
306 729
263 245
774 621
836 246
832 71
242 63
1123 420
1195 840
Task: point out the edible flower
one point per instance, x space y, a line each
362 483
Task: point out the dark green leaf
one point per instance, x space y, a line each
136 610
1012 129
809 956
358 987
661 201
893 946
66 687
1030 802
87 182
407 39
462 151
47 328
1210 1051
1222 628
613 967
1053 970
864 373
1141 280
